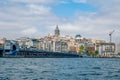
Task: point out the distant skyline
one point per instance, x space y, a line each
36 18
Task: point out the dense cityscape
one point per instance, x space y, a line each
59 39
58 43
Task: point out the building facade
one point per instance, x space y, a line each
117 48
106 49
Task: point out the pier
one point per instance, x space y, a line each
37 54
1 52
46 54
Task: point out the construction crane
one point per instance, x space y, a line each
110 34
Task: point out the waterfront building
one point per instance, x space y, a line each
8 47
48 45
40 44
28 43
32 44
22 42
80 41
64 46
71 46
90 47
97 41
92 44
60 46
2 42
117 48
57 46
106 49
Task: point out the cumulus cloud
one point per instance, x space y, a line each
29 31
14 19
39 9
97 25
34 1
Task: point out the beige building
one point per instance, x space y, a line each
71 46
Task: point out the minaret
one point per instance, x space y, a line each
57 31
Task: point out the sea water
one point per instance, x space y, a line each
59 69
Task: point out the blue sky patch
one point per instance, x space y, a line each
71 8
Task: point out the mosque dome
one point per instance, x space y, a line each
78 36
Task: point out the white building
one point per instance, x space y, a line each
27 43
60 46
106 49
22 42
117 48
11 47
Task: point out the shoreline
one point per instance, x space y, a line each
56 57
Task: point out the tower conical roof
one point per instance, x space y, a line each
57 31
57 28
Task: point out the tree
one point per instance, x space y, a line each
82 49
93 53
90 53
96 52
118 53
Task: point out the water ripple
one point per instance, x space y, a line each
59 69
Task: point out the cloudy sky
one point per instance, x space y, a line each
36 18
